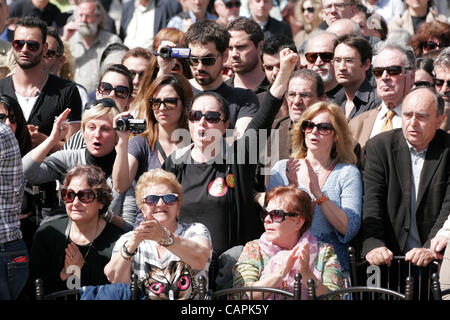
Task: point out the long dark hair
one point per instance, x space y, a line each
22 133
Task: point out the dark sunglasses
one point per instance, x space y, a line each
33 46
120 91
309 9
153 199
277 216
326 57
430 45
440 82
51 53
134 73
206 61
324 128
85 196
422 84
107 102
230 4
169 103
210 116
391 70
11 118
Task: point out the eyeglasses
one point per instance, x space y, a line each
235 4
440 82
210 116
430 45
309 9
105 88
134 73
85 196
106 102
323 128
339 6
206 61
11 118
33 46
391 70
153 199
422 84
169 103
51 53
276 216
326 57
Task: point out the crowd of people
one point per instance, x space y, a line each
241 141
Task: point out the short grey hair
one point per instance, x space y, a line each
405 49
443 59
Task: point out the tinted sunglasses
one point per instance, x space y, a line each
440 82
323 128
85 196
11 118
430 45
391 70
230 4
326 57
51 53
134 73
210 116
107 102
277 216
153 199
309 9
422 84
33 46
206 61
120 91
169 103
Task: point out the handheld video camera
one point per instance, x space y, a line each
130 124
169 52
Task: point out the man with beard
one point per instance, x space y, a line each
87 39
442 83
394 74
209 42
245 44
319 55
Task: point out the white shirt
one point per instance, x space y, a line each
140 30
26 104
381 118
387 8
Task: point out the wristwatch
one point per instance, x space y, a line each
167 239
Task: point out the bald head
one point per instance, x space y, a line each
345 26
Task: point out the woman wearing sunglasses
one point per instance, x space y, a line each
100 138
287 247
430 37
323 163
80 244
165 109
309 13
161 245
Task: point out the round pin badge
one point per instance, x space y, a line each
217 187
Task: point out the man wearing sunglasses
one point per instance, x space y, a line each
394 74
442 83
209 43
227 10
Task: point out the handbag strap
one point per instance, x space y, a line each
161 150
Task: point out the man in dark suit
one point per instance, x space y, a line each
259 10
407 183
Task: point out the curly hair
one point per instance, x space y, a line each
426 31
342 150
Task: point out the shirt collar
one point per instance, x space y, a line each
414 151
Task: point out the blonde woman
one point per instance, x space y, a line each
323 163
309 12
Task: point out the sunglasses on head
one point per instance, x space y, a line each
277 216
206 61
33 46
323 128
85 196
51 53
391 70
153 199
430 45
309 9
326 57
440 82
169 103
231 4
134 73
105 88
4 116
106 102
210 116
